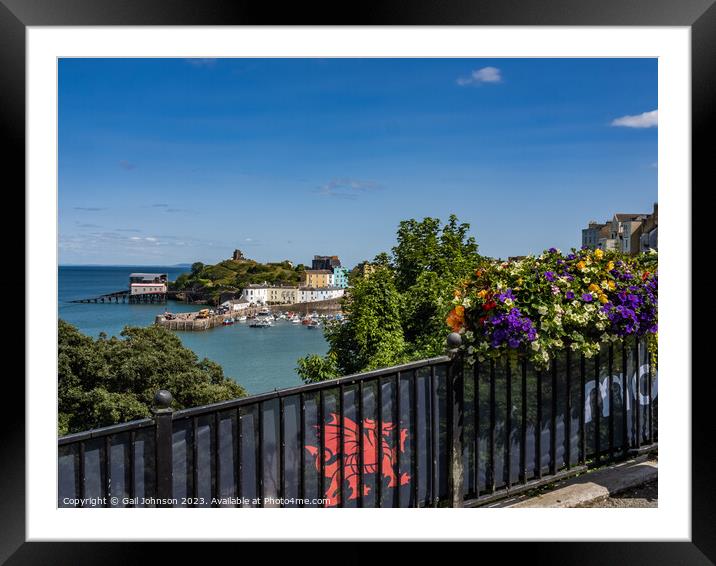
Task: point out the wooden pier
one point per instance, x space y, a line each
126 297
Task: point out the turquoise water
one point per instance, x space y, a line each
260 359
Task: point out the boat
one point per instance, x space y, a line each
260 323
242 318
228 321
314 324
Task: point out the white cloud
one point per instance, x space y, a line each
484 75
644 120
347 188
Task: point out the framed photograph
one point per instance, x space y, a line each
315 271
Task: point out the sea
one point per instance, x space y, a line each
259 359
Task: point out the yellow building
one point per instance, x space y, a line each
282 295
317 278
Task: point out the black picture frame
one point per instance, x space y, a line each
699 15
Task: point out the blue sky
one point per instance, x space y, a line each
165 161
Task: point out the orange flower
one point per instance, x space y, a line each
478 272
456 318
482 294
581 265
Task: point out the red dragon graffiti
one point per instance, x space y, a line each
351 460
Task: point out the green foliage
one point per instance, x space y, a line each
233 276
314 368
113 380
398 313
372 337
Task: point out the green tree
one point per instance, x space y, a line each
112 380
430 260
372 337
397 314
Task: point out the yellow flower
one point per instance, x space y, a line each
603 298
482 293
593 287
599 254
610 266
612 285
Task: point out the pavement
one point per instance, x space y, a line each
646 495
629 484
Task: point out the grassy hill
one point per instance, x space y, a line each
232 276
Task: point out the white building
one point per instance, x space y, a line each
236 305
147 283
313 294
256 293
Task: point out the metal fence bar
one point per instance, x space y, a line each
106 469
322 444
476 400
163 446
637 395
217 460
538 428
553 422
625 401
195 460
397 432
414 453
611 401
508 425
568 412
302 449
260 458
236 445
379 442
361 433
81 472
456 416
649 393
523 431
281 453
597 409
341 448
493 403
449 396
583 408
132 489
433 440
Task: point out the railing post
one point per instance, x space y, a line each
456 412
162 412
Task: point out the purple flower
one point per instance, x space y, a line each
587 297
552 250
510 329
502 297
569 295
549 276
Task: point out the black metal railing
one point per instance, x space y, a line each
430 433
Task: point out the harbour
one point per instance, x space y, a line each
260 360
